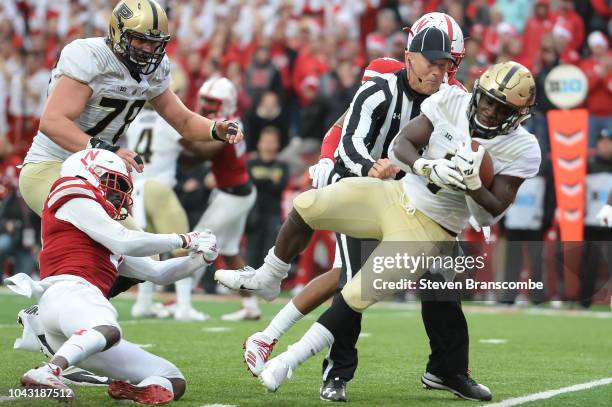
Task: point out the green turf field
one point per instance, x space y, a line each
541 352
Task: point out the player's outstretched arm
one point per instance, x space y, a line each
161 272
191 125
90 218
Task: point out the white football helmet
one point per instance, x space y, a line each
447 24
105 171
217 98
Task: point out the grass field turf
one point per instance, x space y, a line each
542 352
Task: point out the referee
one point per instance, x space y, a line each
380 108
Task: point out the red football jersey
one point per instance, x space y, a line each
229 166
67 250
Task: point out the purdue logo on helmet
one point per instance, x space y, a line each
509 84
144 20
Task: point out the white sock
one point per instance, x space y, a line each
283 321
81 345
162 381
183 292
250 303
277 267
314 340
145 294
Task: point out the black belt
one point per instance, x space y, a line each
239 190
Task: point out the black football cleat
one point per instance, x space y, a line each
461 385
334 390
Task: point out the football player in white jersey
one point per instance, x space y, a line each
97 88
156 207
431 205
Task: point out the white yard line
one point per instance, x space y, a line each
551 393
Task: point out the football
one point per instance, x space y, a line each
486 166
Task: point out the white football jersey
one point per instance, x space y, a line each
157 143
116 96
516 154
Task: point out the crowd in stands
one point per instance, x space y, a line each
297 65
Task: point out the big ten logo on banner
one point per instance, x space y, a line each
566 87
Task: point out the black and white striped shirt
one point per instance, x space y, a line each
381 107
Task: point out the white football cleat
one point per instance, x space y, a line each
243 314
259 282
189 314
156 310
257 350
47 377
275 373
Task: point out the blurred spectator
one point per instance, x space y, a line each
3 100
266 112
549 60
563 37
18 236
473 58
515 12
338 88
478 12
597 238
311 61
537 26
262 75
382 42
598 69
312 123
571 21
270 177
28 96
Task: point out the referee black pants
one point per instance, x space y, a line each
442 315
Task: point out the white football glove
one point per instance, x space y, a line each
604 216
205 245
319 173
486 230
468 164
441 172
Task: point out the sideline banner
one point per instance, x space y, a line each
568 130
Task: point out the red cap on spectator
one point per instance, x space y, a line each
477 30
376 42
596 38
311 82
542 2
52 14
562 30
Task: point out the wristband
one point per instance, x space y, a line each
213 133
95 142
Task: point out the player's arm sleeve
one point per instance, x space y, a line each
77 63
90 218
528 165
160 272
482 216
330 142
359 126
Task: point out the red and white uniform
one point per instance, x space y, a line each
76 216
231 201
84 250
376 67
